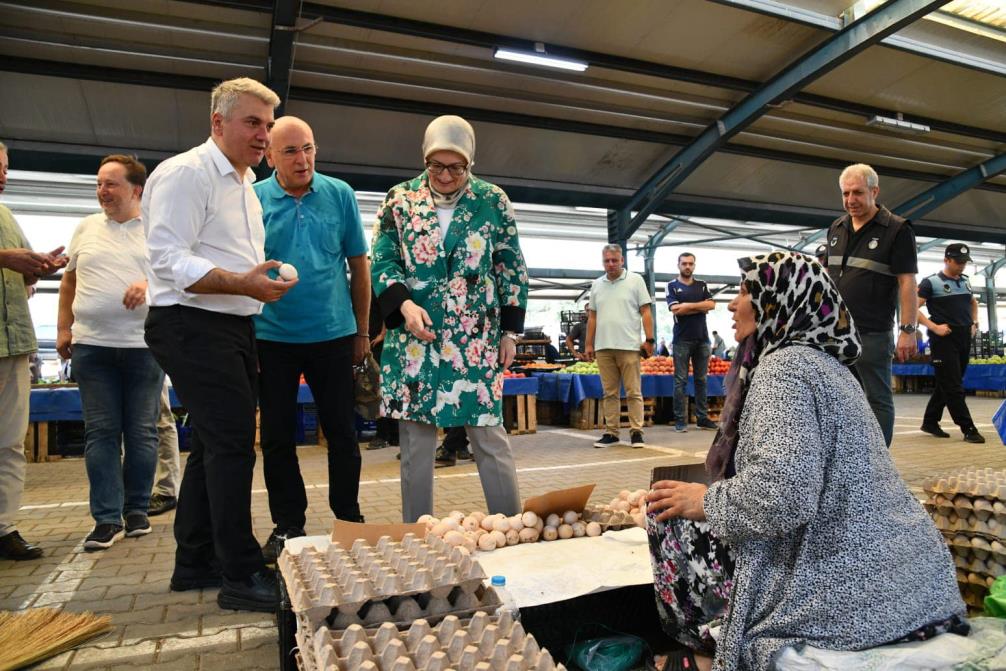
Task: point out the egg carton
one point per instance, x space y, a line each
320 581
990 567
483 643
610 520
973 594
984 482
976 547
970 524
965 504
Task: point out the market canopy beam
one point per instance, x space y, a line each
930 199
281 47
837 49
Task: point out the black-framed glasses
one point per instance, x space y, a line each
456 169
308 149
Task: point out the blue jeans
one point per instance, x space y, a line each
696 351
873 369
120 393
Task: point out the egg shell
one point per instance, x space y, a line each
633 498
642 494
570 516
451 522
549 533
487 542
528 535
469 546
593 529
498 537
565 531
622 505
516 522
478 515
454 537
529 519
470 523
487 523
288 272
440 529
512 537
423 519
539 525
639 519
553 520
624 494
501 524
456 514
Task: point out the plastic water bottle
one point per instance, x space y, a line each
507 602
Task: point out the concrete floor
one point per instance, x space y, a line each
159 629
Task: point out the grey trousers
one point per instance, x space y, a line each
168 469
15 390
493 459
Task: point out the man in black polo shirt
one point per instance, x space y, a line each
952 322
872 259
689 300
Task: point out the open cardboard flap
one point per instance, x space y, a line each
345 533
559 501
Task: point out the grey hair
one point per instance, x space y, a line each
611 248
864 171
3 148
225 94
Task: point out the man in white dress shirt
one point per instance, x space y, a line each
208 278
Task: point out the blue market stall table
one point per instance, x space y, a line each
977 377
572 390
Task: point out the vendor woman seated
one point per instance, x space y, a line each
807 534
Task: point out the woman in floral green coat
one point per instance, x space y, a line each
452 284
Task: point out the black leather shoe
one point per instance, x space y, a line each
444 458
160 504
12 546
257 592
972 436
934 430
464 454
184 578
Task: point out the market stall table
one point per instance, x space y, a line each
985 377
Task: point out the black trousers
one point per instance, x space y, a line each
210 358
328 369
950 360
455 439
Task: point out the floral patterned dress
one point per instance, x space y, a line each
473 284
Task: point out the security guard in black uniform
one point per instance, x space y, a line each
872 260
952 322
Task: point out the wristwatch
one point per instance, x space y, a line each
510 334
651 341
907 328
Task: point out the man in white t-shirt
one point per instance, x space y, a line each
619 303
102 305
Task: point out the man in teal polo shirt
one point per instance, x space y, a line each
319 329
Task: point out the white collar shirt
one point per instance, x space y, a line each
200 214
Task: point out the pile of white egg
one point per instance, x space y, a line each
479 531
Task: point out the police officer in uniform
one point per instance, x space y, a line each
872 259
952 322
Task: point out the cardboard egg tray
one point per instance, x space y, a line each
985 482
390 582
610 520
483 643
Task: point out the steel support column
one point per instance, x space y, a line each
886 20
281 46
930 199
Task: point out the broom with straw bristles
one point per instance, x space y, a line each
30 636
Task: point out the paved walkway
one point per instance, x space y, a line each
159 629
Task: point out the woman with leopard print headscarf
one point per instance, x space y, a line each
807 534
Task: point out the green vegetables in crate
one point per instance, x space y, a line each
995 602
582 368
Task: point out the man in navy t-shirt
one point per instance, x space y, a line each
689 300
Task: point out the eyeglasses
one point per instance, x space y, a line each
290 152
456 169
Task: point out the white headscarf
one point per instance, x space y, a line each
450 133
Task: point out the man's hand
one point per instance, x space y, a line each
63 347
55 260
648 347
257 284
588 353
940 329
906 346
974 328
30 264
417 320
361 345
136 295
508 351
677 499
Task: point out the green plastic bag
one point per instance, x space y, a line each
613 653
995 602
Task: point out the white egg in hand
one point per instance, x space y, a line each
287 272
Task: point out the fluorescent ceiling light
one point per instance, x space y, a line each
539 58
898 125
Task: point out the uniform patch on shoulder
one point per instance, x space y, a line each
873 243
